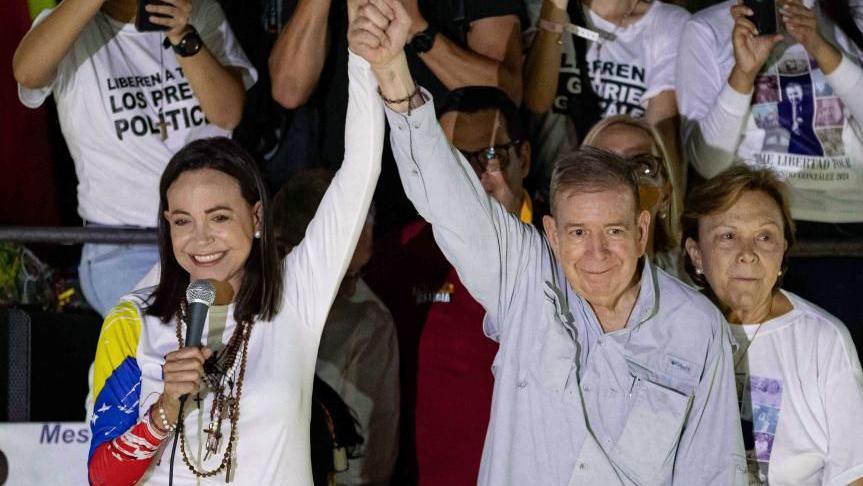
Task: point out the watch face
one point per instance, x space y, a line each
191 44
422 42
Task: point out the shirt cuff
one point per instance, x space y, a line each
733 101
357 60
846 76
417 116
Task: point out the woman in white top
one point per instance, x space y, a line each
249 420
572 82
127 101
799 379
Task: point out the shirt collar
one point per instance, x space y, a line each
647 303
525 214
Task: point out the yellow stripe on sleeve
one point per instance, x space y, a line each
118 341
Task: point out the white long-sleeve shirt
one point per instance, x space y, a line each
799 122
275 408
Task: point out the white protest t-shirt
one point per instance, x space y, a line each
109 89
796 123
802 398
625 73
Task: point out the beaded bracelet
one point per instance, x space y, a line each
154 429
164 417
401 100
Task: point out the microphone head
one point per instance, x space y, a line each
201 292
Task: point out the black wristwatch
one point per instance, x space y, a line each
189 45
424 41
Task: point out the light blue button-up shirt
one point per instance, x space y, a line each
653 403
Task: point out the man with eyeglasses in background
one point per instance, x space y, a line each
445 357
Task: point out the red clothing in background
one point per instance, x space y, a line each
27 189
445 357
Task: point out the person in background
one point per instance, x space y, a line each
446 358
358 356
334 436
608 372
127 101
455 44
799 380
659 183
768 100
571 83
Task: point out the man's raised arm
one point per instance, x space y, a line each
488 247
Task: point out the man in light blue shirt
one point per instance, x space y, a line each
609 371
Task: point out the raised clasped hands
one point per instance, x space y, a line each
378 30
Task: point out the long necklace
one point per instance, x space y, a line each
224 375
746 348
160 112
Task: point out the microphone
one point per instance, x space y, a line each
200 295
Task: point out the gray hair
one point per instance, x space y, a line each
590 169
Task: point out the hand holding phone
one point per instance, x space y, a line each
764 16
142 20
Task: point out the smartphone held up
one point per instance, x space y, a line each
764 16
142 20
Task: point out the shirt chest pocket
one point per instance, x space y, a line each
648 441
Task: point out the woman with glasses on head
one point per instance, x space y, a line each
660 186
799 380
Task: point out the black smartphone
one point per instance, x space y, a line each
142 20
764 17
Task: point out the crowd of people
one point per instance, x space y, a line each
494 242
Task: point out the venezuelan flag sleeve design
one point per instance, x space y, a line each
116 376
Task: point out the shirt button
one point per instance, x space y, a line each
416 124
522 384
582 466
587 388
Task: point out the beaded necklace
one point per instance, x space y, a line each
223 373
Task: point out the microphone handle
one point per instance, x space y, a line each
195 323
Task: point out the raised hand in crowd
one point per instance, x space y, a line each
751 49
802 26
174 15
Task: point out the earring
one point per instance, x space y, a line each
257 233
699 271
779 274
661 215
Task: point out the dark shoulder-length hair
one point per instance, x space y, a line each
719 194
261 289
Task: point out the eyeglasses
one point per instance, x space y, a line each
647 168
492 159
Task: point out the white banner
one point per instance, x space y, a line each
44 453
